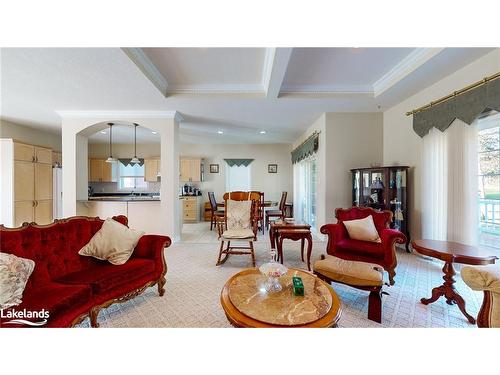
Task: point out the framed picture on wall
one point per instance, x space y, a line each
214 168
272 168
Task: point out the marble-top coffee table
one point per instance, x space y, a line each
247 304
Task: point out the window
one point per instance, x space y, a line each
131 177
306 181
238 178
489 179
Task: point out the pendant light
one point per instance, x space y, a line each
135 160
110 159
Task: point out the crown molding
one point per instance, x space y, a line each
147 67
404 68
121 114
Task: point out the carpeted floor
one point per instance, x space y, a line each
194 284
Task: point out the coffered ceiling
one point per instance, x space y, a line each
225 95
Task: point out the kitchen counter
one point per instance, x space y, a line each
122 199
143 214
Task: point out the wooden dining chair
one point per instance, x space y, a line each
280 212
216 215
260 211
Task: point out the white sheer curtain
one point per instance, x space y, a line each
449 184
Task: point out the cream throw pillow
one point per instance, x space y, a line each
14 274
239 214
114 242
362 229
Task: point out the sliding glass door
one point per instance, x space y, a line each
305 176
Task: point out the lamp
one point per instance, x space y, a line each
110 158
135 160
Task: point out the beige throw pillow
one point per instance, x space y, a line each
239 214
114 242
14 274
362 229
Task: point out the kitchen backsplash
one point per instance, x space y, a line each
112 187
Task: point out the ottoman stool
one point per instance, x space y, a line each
359 275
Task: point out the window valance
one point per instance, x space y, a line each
126 162
466 106
238 162
307 148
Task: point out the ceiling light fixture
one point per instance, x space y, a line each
153 132
262 132
135 160
110 159
103 131
220 132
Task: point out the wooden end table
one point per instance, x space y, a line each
248 305
452 252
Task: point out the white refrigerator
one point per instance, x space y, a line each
57 192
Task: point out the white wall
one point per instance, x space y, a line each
272 184
353 140
402 146
30 135
7 182
346 141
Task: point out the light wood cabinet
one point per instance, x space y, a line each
151 170
23 152
32 184
43 155
56 158
23 212
43 173
190 209
190 170
101 171
24 181
43 211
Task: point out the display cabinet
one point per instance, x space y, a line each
384 188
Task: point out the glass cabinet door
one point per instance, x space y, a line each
356 188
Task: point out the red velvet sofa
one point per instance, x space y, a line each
383 253
70 286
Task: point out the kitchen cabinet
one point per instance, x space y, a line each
151 170
190 170
101 171
56 158
190 209
32 184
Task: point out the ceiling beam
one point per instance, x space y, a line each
275 66
147 67
405 67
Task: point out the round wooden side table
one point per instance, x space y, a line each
449 253
247 304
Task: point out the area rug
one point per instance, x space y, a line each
194 284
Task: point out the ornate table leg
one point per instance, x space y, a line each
309 251
449 292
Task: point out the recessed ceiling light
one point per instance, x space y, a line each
262 132
103 131
220 132
153 132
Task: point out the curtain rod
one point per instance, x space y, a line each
316 132
455 93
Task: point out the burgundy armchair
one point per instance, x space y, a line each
383 253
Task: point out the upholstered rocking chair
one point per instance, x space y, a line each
239 225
